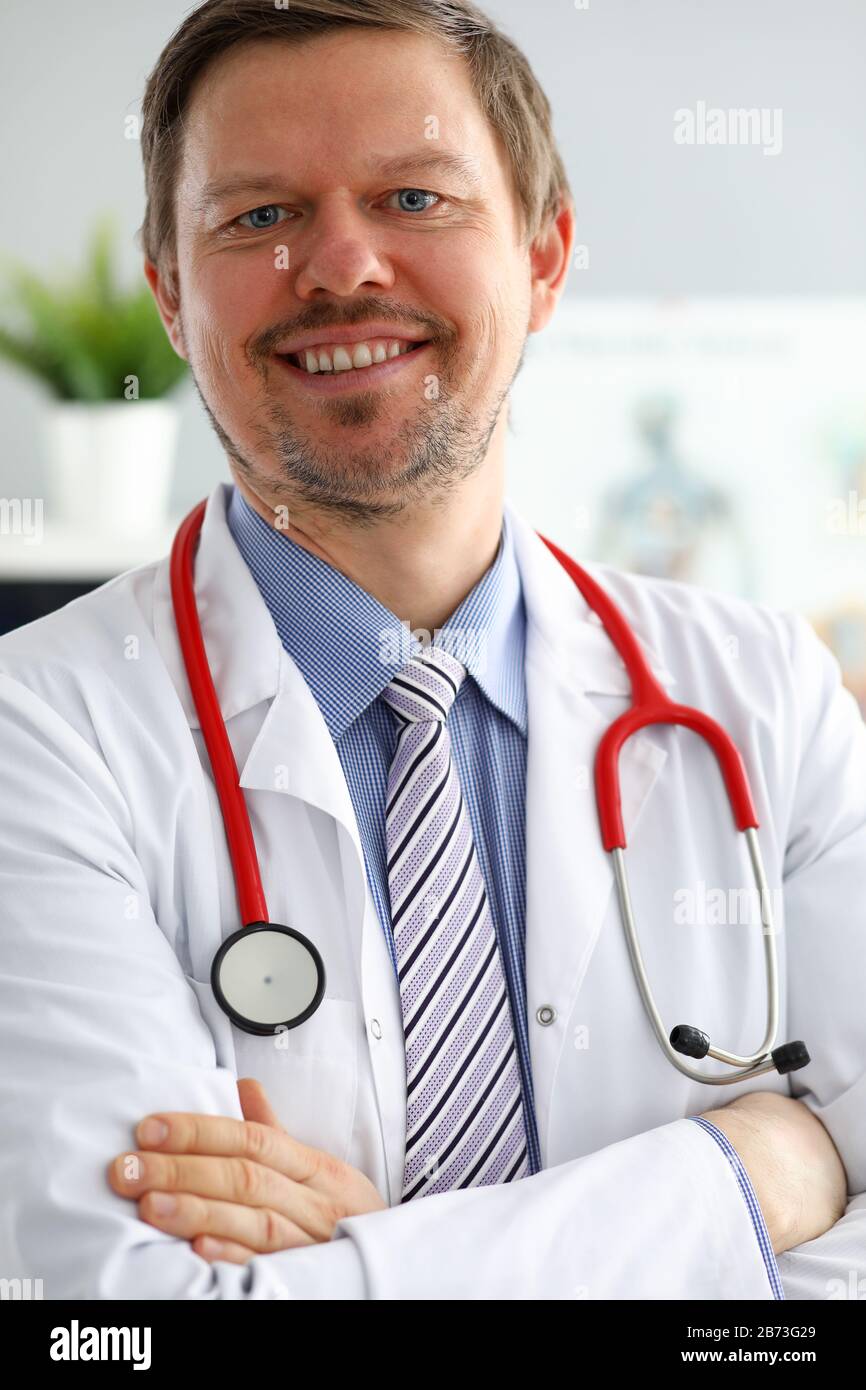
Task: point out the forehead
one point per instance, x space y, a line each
325 109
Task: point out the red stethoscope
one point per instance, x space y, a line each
267 977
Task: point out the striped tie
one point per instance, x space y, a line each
464 1111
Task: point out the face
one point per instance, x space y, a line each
293 235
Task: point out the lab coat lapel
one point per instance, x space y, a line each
569 661
292 753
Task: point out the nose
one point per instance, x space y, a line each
340 253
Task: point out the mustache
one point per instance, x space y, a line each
324 317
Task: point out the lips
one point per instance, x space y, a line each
298 357
352 378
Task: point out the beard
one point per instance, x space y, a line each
435 448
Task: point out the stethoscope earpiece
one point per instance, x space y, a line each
691 1042
791 1056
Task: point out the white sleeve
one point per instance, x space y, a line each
656 1216
99 1027
833 1266
825 926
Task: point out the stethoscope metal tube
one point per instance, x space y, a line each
690 1039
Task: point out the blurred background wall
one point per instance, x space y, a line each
699 406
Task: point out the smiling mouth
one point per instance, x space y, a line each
299 360
341 377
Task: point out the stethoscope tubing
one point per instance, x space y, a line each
252 905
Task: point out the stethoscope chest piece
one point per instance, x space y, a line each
267 978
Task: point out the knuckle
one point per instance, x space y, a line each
329 1167
193 1134
169 1173
247 1180
306 1161
272 1230
259 1141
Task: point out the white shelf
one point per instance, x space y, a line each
71 554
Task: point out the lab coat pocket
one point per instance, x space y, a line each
310 1074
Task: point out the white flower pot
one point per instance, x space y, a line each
110 464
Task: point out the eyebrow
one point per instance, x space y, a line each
464 169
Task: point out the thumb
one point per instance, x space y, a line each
255 1104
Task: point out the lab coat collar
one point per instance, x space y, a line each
249 666
243 649
293 751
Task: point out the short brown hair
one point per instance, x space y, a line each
502 79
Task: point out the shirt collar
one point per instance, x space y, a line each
348 645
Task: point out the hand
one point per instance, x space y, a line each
240 1187
792 1163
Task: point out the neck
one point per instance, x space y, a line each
420 564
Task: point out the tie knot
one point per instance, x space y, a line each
426 687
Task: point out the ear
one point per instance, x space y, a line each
168 304
550 259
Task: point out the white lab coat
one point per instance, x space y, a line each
116 891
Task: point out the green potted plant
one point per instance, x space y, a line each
103 356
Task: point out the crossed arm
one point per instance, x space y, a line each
238 1188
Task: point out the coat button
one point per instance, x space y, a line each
375 1028
545 1015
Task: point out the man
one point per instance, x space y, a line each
350 252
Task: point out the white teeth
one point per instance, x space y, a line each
352 356
362 356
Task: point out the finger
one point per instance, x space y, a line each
211 1249
257 1228
222 1135
255 1104
225 1179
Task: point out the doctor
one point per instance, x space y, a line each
478 1106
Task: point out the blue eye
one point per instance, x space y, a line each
415 193
261 218
266 208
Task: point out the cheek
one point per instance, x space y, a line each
231 298
213 352
491 333
485 293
